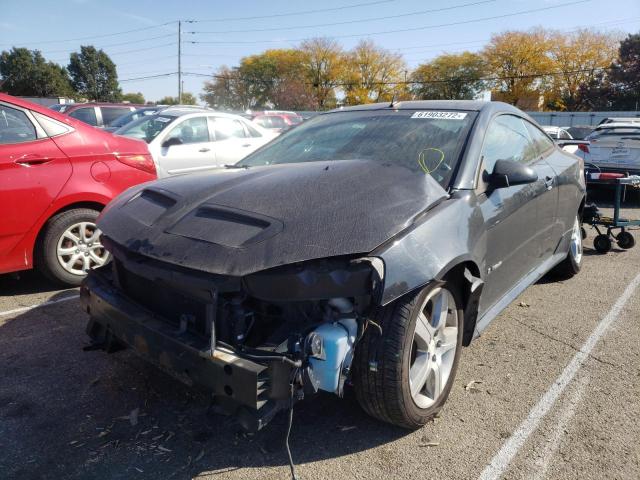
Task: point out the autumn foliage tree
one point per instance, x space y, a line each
578 59
372 74
323 63
518 63
449 77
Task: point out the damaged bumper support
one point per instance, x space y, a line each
252 391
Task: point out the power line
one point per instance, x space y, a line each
144 49
290 14
148 77
384 32
107 34
47 52
347 22
148 60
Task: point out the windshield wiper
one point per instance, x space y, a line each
237 166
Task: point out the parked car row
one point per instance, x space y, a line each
56 175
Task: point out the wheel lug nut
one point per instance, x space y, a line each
77 251
433 358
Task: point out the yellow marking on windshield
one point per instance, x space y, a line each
422 159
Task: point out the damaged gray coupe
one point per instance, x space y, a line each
360 250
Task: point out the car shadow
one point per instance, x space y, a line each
69 413
23 283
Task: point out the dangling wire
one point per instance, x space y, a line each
286 440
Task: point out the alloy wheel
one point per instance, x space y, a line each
435 340
79 248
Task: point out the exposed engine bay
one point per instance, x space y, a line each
299 324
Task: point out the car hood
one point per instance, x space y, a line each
241 221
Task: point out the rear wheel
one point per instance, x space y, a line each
70 246
404 375
571 265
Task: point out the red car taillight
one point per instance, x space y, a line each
583 147
141 161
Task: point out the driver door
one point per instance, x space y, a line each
187 147
516 217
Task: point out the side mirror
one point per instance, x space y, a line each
170 142
509 172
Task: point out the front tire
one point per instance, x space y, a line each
404 375
70 246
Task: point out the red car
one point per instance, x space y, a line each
278 121
56 175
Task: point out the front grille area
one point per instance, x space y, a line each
167 302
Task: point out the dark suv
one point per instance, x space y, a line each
99 114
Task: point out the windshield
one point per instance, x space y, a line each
426 141
130 117
146 128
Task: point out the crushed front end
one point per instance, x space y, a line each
256 342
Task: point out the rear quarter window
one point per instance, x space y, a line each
15 126
86 115
109 114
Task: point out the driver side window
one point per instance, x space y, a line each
193 130
507 139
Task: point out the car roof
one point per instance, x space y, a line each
182 111
623 119
466 105
605 126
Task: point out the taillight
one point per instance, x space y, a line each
583 147
141 161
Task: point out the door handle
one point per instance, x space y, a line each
246 145
31 160
548 182
204 150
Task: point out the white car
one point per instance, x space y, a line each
557 133
614 147
184 140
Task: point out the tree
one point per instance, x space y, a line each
519 62
227 90
618 87
580 57
133 98
323 62
372 74
276 78
449 77
625 74
94 75
187 99
26 72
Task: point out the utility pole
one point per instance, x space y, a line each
179 61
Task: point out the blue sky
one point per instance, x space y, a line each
58 28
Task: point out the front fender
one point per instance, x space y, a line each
443 238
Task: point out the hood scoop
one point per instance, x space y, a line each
230 227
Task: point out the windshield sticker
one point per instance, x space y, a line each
430 159
441 115
163 119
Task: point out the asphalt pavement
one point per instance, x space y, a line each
550 390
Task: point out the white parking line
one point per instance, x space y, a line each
559 429
510 448
44 304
